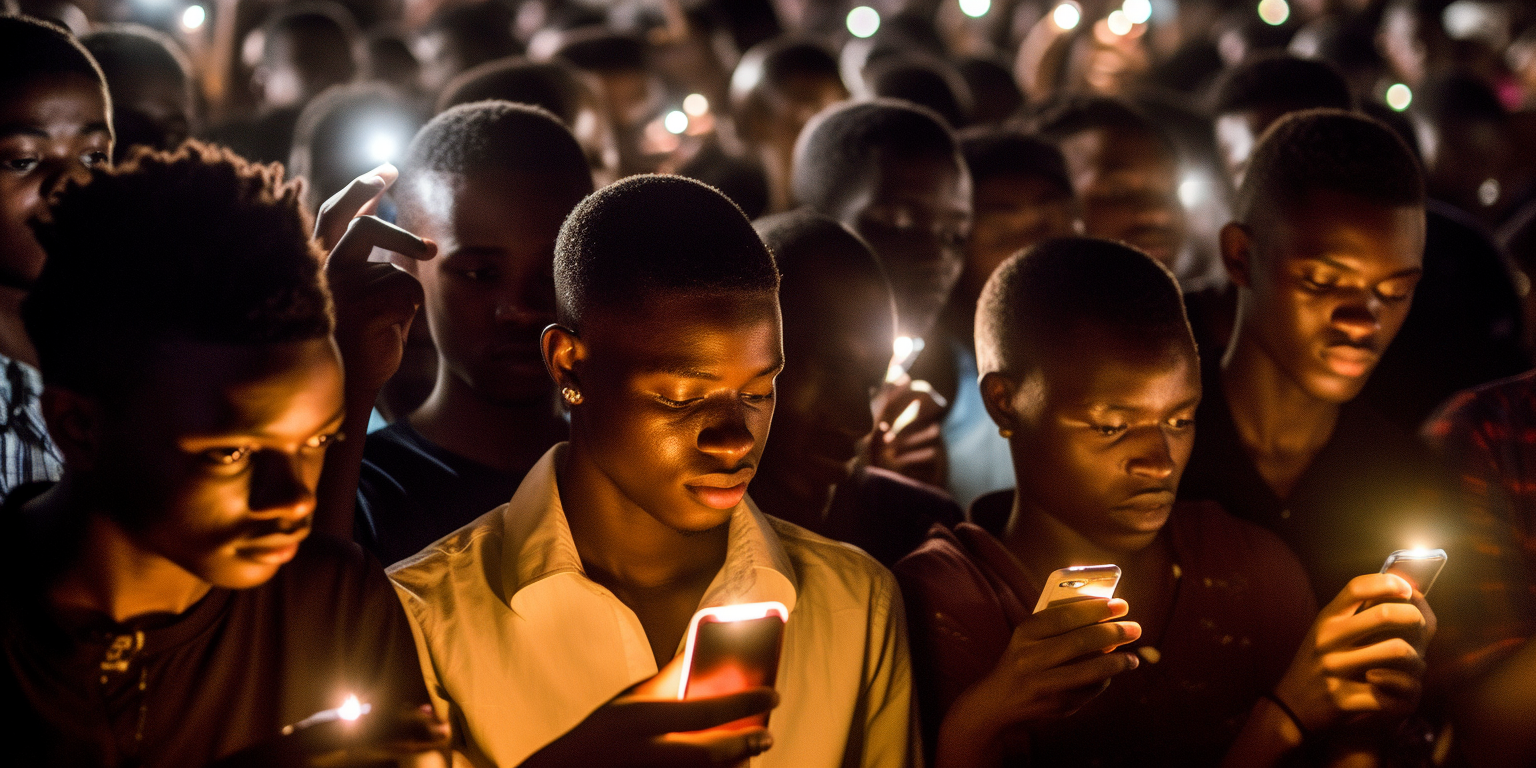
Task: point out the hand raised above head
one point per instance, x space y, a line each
375 302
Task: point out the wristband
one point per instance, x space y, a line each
1305 734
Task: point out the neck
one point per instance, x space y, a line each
13 336
1043 543
621 543
777 166
509 437
110 573
1274 416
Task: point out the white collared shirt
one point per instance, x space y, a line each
518 646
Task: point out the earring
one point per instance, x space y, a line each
571 396
1004 432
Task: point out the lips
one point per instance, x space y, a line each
272 550
1349 362
723 490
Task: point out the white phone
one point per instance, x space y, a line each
1079 582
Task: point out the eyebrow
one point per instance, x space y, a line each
27 129
682 370
1342 267
1190 403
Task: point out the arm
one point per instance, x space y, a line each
891 736
375 304
1353 672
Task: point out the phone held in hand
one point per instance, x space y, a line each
733 648
1420 567
1079 582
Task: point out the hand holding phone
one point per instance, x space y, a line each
733 648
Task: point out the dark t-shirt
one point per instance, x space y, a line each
1372 489
413 492
886 514
1240 607
225 675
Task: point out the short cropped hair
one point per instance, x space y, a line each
552 85
328 22
838 146
1281 81
991 152
773 63
1332 150
1037 300
196 245
809 247
1076 115
32 48
655 234
930 82
493 136
134 50
597 49
480 31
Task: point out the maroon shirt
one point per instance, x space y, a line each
1240 608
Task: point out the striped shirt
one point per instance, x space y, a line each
27 454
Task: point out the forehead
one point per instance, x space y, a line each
934 179
210 388
678 332
1093 365
1345 229
1017 190
1106 150
61 105
493 206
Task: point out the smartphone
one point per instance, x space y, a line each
1079 582
732 648
1419 566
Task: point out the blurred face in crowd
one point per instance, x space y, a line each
212 459
490 292
916 215
677 398
1324 286
154 110
1102 431
49 126
776 113
1012 212
837 346
1128 185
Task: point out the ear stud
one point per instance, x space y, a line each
571 396
1004 432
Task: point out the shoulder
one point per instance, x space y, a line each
841 571
451 560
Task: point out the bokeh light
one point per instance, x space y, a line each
1138 11
675 122
1119 23
1274 12
1399 96
696 104
975 8
193 17
1067 16
863 21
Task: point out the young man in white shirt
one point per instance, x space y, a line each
546 607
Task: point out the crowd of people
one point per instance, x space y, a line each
391 381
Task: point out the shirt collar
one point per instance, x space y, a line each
538 545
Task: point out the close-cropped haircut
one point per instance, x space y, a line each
1078 114
840 144
648 235
552 85
126 51
494 136
1037 301
811 249
772 64
991 152
195 245
31 48
1283 81
1328 150
328 23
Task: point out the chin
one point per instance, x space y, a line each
240 575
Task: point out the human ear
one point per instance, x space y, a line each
997 393
75 422
1237 253
563 353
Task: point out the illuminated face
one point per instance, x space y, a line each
49 126
916 215
677 400
837 346
491 291
1328 286
213 462
1012 213
1103 433
1128 185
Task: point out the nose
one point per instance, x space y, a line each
1359 316
1153 457
727 436
282 486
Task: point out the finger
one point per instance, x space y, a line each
658 717
1094 639
359 196
1395 684
1066 617
1395 653
1089 672
1395 619
1363 589
709 749
365 233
